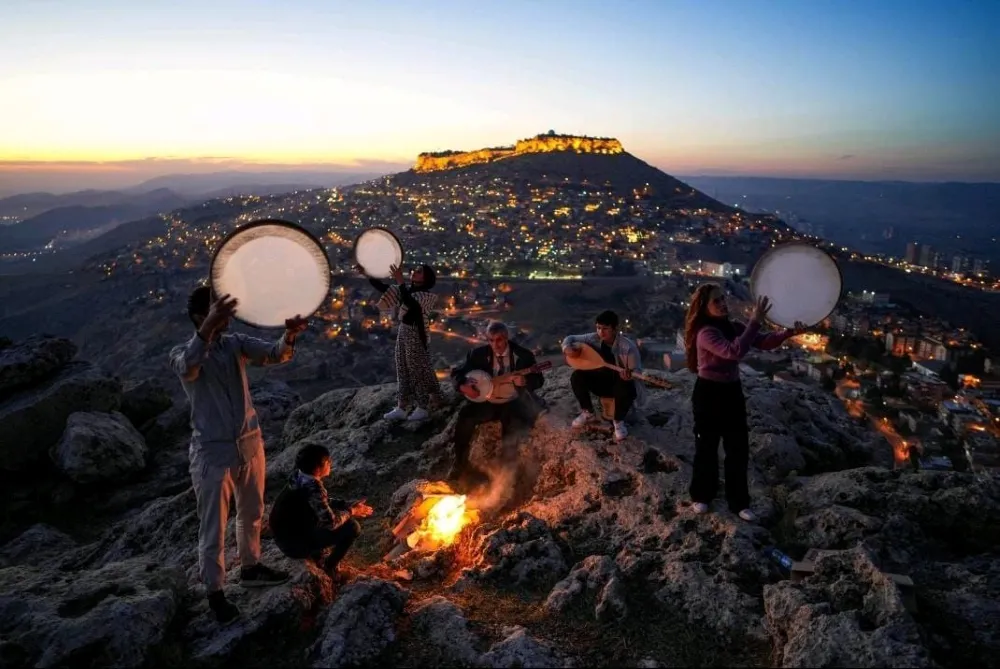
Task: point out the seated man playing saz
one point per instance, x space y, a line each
616 349
511 402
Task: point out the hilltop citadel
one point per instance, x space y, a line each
546 143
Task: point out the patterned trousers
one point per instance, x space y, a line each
414 374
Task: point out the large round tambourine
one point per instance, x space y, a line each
803 283
275 269
376 250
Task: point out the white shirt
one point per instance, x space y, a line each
507 391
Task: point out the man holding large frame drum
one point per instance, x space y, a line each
227 449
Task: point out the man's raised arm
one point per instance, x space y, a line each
186 360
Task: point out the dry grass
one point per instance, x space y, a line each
649 631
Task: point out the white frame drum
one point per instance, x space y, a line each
291 278
803 282
376 250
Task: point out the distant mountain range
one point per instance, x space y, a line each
74 217
875 216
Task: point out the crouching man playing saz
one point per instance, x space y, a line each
616 349
227 449
511 401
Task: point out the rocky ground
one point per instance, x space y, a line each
586 553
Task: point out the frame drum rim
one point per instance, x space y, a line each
755 274
273 222
354 248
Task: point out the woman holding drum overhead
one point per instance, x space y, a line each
415 376
714 347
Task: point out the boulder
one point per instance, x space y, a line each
274 400
36 546
598 576
520 649
112 616
32 360
99 447
360 624
443 628
960 602
522 551
33 420
845 614
144 401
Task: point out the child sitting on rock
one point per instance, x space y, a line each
305 522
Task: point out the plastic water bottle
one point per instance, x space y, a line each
778 557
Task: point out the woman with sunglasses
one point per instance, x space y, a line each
715 345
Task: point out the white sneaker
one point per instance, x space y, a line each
748 515
583 419
620 430
399 413
699 508
419 414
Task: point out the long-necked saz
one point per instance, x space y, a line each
590 359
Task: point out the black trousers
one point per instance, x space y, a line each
313 545
603 383
720 412
516 418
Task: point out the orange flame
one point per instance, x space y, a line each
447 516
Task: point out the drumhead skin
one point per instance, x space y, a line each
275 269
803 282
376 250
482 381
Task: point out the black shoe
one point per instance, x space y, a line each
259 576
225 611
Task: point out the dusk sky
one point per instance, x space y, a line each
99 93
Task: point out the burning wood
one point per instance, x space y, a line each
434 521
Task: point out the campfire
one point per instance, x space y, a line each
434 521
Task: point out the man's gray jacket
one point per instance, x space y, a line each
224 427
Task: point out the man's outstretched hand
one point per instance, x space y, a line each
361 510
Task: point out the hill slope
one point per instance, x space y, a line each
621 173
585 555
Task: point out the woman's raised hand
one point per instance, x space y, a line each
761 310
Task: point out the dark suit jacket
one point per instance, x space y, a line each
481 358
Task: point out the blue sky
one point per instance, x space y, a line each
847 89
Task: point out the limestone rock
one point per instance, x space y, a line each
522 552
846 614
441 625
960 603
778 455
263 610
32 421
144 401
598 575
99 447
360 624
898 512
111 616
708 564
35 546
273 400
519 649
32 360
